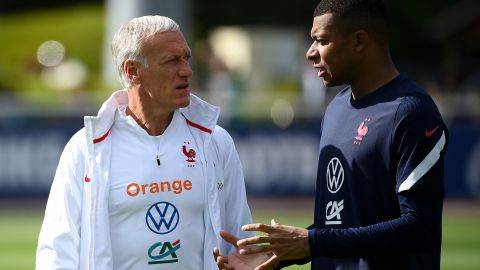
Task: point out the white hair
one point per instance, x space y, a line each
128 40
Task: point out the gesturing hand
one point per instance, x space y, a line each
235 260
285 242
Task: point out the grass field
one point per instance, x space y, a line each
19 228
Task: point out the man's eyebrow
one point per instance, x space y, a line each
166 57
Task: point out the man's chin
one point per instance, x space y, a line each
184 102
331 83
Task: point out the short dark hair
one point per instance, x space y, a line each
371 15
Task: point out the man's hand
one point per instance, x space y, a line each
237 261
285 242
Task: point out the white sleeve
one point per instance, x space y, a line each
59 239
236 211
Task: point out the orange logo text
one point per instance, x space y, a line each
177 187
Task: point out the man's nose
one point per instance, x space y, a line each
186 70
311 52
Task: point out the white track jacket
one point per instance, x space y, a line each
75 231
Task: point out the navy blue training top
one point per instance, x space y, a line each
380 182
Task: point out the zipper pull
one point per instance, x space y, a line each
158 160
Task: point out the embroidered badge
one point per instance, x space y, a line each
190 154
362 131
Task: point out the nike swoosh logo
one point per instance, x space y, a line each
429 133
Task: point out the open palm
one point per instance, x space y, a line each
235 260
246 262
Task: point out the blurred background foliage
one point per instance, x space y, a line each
80 27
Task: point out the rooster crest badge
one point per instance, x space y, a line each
189 153
361 131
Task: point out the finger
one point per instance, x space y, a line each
258 227
274 222
260 239
271 263
230 238
222 263
269 248
256 249
277 227
222 260
264 239
216 253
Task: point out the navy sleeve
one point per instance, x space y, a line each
418 145
417 229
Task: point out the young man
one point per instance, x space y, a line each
380 183
151 180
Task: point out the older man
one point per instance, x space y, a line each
144 185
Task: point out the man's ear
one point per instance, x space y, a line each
361 39
131 70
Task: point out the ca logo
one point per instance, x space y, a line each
162 217
333 212
166 249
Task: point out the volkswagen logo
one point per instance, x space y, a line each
162 217
335 175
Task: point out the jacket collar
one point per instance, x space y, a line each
198 114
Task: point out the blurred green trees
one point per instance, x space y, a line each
79 28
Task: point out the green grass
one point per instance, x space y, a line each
461 242
461 236
18 238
